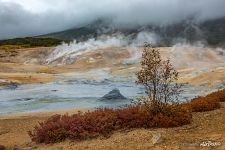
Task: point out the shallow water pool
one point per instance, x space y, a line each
74 94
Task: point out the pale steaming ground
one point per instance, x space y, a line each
69 52
197 57
110 57
182 55
192 61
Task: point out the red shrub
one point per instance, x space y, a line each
52 130
130 117
78 126
219 94
102 122
209 102
92 124
206 103
174 115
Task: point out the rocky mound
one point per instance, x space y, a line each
113 95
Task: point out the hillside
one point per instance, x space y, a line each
212 32
28 42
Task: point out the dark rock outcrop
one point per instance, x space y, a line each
11 86
113 95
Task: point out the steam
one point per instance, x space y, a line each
67 53
196 56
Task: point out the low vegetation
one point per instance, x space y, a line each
102 122
209 102
206 103
220 95
28 42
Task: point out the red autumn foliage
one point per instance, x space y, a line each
206 103
209 102
102 122
219 94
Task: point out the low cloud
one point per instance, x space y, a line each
33 17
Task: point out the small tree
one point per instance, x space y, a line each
158 77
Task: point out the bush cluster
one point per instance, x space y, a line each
29 42
220 95
209 102
206 103
103 121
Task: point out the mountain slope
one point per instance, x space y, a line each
77 33
211 32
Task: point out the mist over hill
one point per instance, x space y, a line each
210 32
171 21
189 31
25 18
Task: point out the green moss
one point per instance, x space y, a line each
29 42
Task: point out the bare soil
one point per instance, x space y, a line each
206 132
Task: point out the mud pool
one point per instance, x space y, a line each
74 94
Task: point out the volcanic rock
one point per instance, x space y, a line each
113 95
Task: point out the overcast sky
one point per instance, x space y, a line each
33 17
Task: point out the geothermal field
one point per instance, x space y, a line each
112 75
77 75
